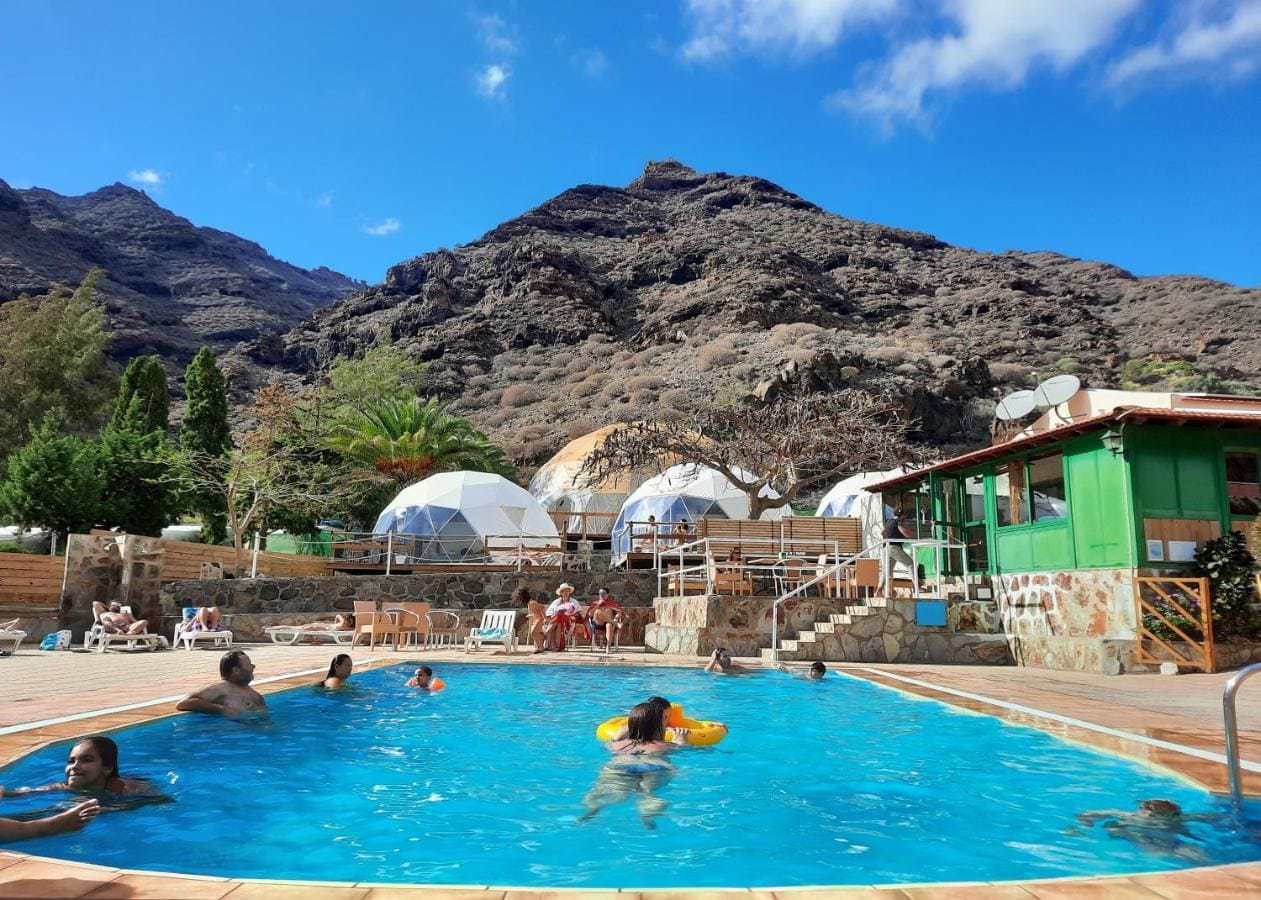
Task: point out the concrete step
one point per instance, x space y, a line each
784 655
841 619
825 627
858 610
806 637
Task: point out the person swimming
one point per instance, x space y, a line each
338 672
638 768
92 770
423 679
1159 826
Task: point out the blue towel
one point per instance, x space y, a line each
491 634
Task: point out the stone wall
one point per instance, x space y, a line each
1084 603
256 603
94 572
696 625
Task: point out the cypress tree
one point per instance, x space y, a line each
144 401
205 430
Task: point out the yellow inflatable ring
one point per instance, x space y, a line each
699 734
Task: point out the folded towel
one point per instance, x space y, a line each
492 634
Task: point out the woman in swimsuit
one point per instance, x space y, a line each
92 769
338 672
638 767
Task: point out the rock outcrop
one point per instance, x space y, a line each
170 287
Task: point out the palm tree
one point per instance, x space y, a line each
410 439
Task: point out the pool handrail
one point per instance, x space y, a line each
1232 729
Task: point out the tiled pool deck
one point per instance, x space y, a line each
1130 715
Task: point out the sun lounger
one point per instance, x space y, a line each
12 634
296 634
186 634
497 628
104 639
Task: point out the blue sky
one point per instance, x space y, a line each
359 134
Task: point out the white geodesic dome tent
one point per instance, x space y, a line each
852 498
559 484
686 493
454 513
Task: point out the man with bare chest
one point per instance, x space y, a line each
233 695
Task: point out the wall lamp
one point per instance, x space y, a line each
1112 441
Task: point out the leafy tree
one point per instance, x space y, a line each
796 444
139 495
279 474
1229 566
407 440
54 482
381 373
205 430
143 404
52 356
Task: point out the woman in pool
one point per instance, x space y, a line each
92 769
638 767
338 672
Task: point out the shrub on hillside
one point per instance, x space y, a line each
518 395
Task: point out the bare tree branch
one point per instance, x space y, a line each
794 445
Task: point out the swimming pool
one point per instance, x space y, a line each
837 782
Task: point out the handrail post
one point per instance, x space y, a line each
1232 730
389 551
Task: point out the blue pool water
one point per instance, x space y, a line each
835 782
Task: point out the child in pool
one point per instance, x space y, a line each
423 679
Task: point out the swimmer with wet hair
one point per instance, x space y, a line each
721 663
423 679
1159 826
638 767
338 672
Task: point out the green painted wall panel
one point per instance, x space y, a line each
1015 550
1099 504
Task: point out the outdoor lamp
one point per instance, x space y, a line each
1112 441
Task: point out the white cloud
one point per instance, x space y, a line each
593 62
1210 38
497 36
491 82
803 27
325 199
382 229
995 45
147 177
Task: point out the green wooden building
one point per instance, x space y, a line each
1057 522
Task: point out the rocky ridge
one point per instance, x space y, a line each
170 287
606 304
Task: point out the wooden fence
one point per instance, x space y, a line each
805 536
31 581
1175 606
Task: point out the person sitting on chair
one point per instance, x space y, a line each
561 616
606 612
207 618
735 556
115 621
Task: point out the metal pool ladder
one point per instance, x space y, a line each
1232 729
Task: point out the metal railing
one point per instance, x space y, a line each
704 547
391 549
1232 730
834 571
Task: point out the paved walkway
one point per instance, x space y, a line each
37 687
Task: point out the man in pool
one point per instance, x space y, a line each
720 663
231 696
1159 826
817 671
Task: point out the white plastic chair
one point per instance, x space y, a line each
497 628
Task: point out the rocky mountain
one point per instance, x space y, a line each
611 303
170 286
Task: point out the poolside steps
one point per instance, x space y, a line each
883 629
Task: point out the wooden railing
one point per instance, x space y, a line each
1183 607
29 580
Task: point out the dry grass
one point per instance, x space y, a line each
518 395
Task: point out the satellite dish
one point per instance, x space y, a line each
1015 405
1056 390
